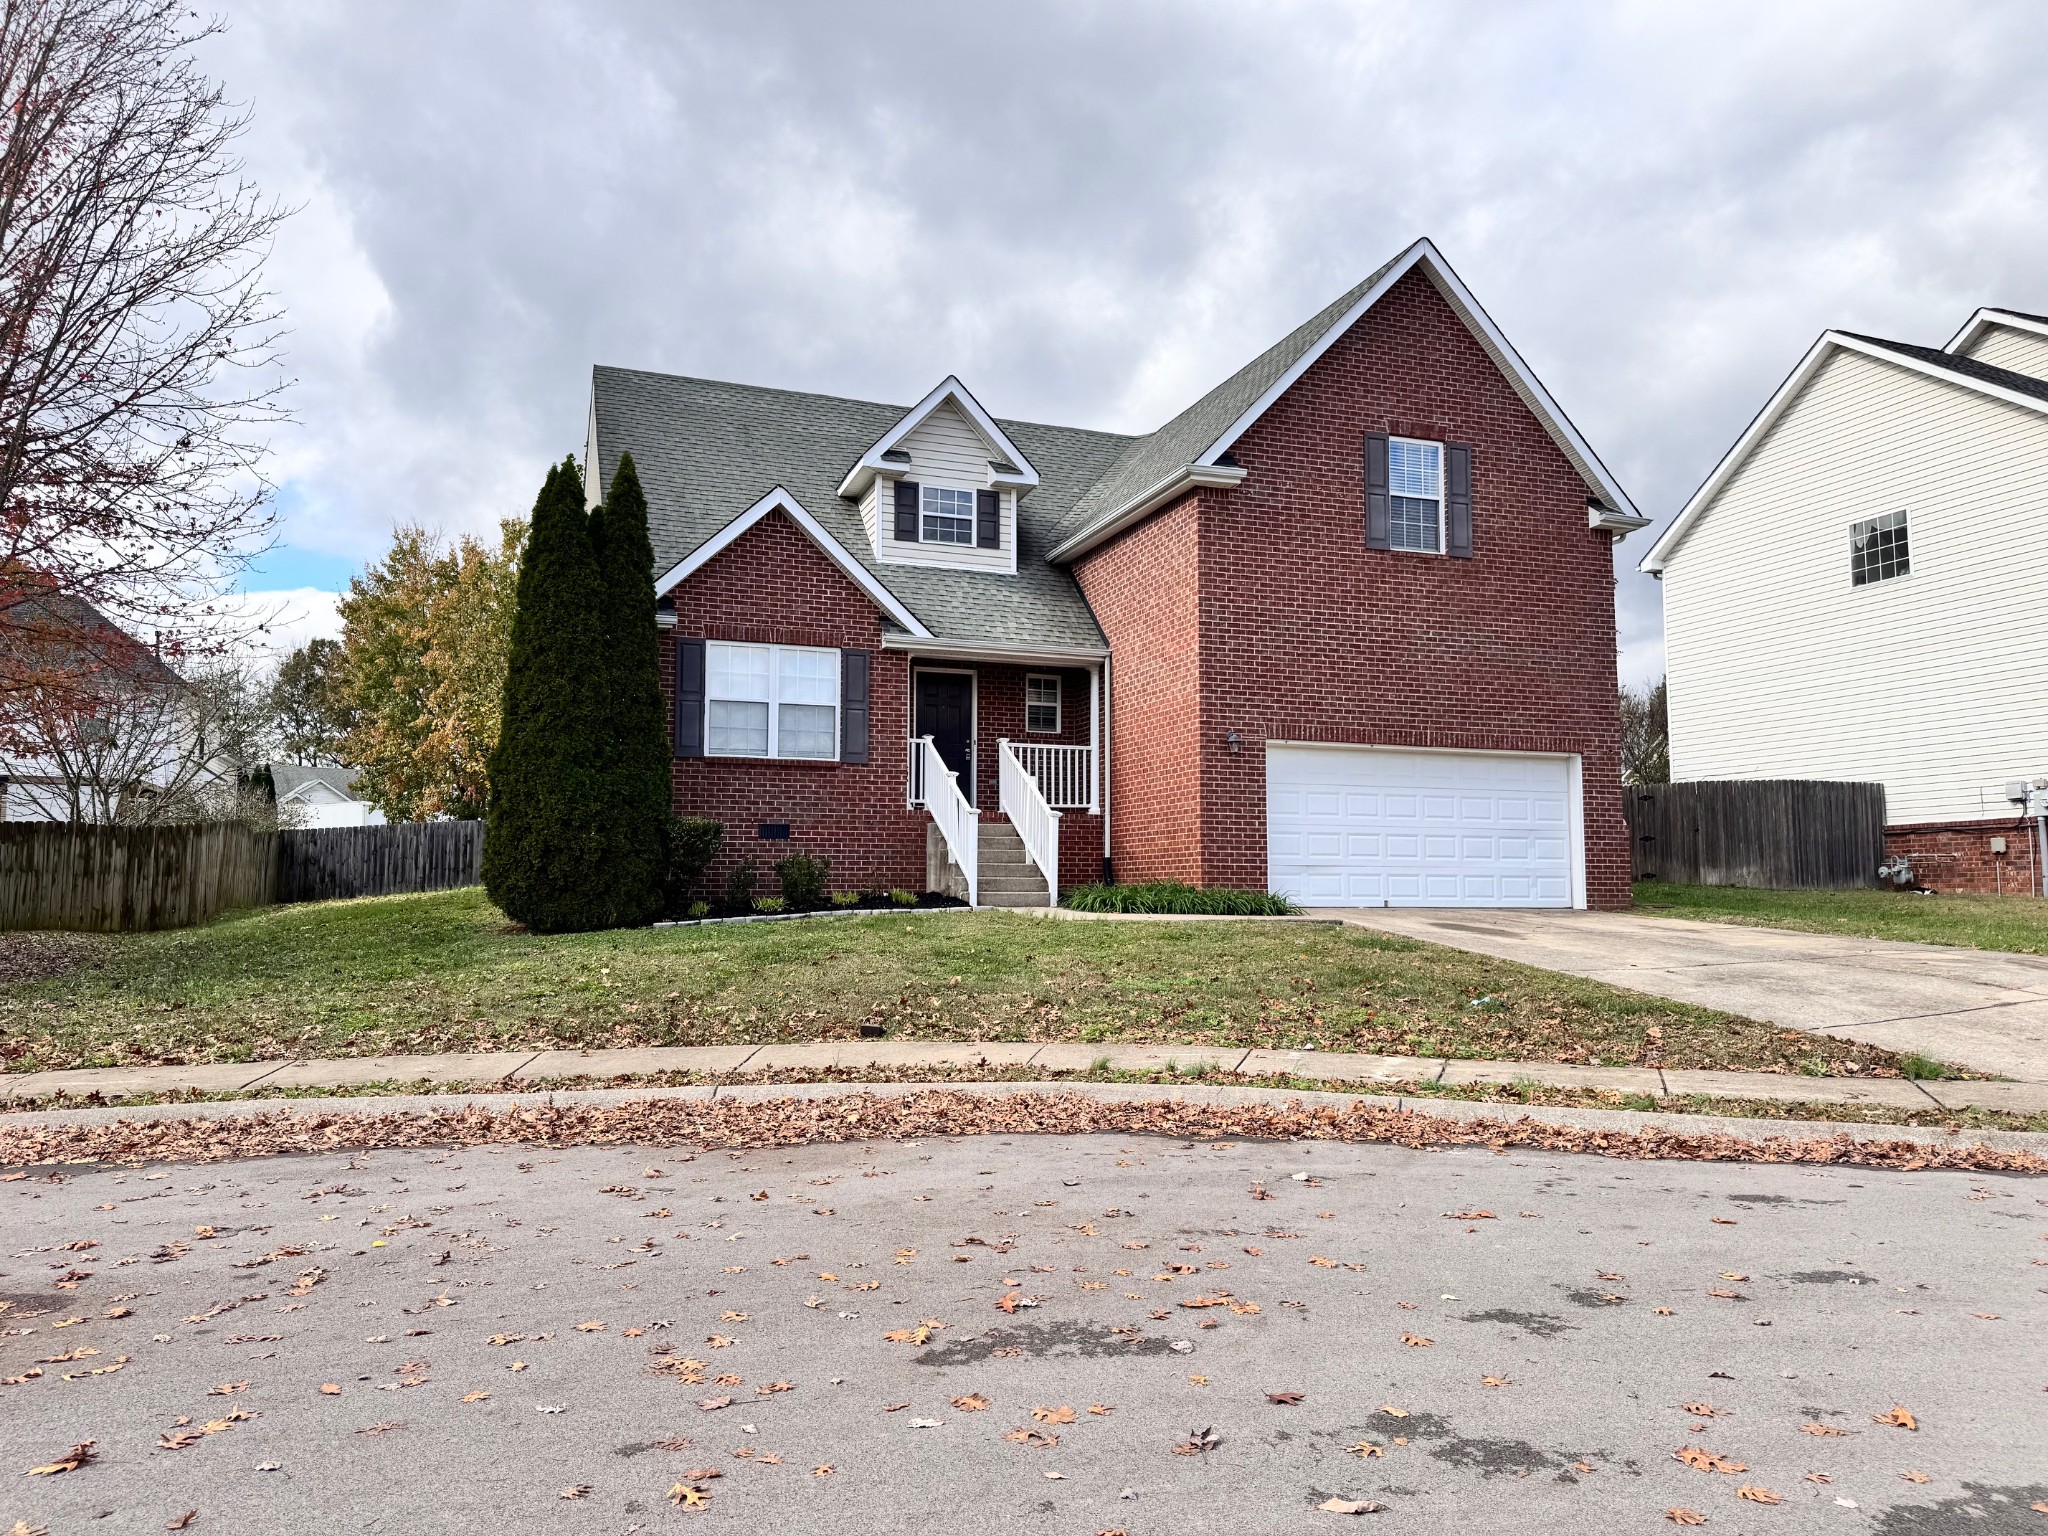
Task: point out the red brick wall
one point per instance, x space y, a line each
1956 856
1305 635
772 585
1144 588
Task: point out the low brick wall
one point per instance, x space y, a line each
1958 856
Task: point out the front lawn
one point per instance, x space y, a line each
2017 923
445 972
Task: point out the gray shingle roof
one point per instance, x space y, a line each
1150 459
290 777
1966 367
2018 314
707 450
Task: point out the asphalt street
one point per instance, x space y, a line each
1032 1334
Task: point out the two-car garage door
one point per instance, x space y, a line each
1372 826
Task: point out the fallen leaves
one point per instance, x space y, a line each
477 1396
1061 1415
1757 1495
1679 1515
1351 1506
1198 1441
1916 1477
971 1402
1472 1215
921 1334
1417 1341
686 1496
1703 1460
80 1455
1284 1399
181 1522
1495 1381
330 1389
1821 1429
1366 1450
1898 1418
713 1404
1037 1439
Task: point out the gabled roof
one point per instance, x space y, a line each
293 779
1010 468
707 451
2018 389
1198 438
1991 315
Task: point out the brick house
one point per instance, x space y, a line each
1343 628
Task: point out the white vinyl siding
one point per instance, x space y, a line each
945 450
1781 667
771 701
2004 346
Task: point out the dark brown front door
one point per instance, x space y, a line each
945 712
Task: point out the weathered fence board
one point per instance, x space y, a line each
130 879
1782 834
137 879
332 863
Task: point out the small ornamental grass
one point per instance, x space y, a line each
1170 896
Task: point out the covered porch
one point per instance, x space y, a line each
1006 756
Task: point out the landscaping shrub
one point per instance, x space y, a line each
805 881
1170 896
633 808
546 856
739 886
769 904
903 898
693 842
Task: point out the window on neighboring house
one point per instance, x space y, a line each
948 515
1415 486
1042 705
771 701
1877 549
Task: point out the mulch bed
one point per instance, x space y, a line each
939 1113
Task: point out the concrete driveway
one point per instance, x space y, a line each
1978 1008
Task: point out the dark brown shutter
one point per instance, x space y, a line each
1379 522
689 698
906 511
853 706
1458 500
988 519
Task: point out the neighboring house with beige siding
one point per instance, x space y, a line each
1860 591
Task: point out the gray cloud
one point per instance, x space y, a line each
1092 212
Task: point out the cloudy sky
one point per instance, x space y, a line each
1093 212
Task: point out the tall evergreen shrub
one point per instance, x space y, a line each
547 852
636 801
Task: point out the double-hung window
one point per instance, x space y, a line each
1415 500
1042 705
1877 549
771 701
948 515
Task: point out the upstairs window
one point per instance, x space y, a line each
1042 705
771 701
1415 486
948 515
1877 549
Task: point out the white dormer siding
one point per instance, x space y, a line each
2005 346
945 450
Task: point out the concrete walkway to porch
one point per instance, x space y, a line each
1982 1009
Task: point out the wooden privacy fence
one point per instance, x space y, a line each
131 879
330 863
1783 834
136 879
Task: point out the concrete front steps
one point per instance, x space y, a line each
1008 877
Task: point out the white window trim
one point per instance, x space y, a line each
774 701
925 515
1058 703
1440 498
1905 526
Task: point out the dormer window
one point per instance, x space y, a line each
948 515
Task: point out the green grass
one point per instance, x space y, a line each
446 972
2016 923
1171 897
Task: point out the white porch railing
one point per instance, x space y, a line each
1035 820
1065 775
937 788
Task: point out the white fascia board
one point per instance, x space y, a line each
779 500
1984 320
996 650
1424 253
1187 478
1829 343
949 389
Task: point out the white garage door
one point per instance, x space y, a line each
1359 826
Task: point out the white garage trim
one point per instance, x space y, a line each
1351 825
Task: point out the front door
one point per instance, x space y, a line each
945 712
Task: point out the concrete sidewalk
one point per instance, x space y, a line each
1982 1009
527 1069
